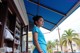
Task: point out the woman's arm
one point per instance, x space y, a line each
35 37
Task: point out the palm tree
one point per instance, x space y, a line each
50 46
61 41
57 43
68 37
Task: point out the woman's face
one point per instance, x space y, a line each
40 22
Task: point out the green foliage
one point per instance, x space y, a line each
68 37
50 46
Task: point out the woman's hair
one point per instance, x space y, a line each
36 18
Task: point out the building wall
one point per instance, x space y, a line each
21 8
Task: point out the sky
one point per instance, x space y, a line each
72 22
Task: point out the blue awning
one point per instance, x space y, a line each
53 11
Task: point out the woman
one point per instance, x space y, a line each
38 37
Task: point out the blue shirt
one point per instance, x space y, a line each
41 39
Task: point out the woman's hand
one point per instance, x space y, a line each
41 51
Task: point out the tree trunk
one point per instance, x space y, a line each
61 48
71 46
57 47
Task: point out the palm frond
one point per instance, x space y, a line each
75 35
77 41
64 43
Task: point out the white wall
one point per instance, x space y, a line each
0 1
21 8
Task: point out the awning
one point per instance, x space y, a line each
53 11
